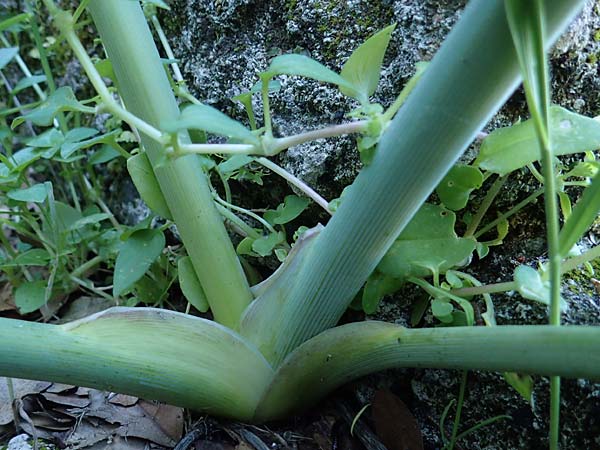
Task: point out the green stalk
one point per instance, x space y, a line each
347 352
526 23
150 353
467 81
146 93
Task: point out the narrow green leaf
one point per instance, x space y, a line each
234 163
190 285
88 220
145 182
60 100
363 68
457 185
26 82
36 194
136 255
211 120
30 296
583 215
33 257
12 21
6 55
304 66
291 208
510 148
49 138
521 383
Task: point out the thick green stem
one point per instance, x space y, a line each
347 352
146 91
439 119
150 353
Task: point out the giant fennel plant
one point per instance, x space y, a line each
275 348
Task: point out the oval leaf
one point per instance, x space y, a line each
457 185
190 285
363 68
291 208
144 179
35 194
30 296
510 148
136 255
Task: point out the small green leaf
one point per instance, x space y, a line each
136 255
144 179
88 220
304 66
531 286
30 296
60 100
211 120
523 384
583 215
190 285
442 310
507 149
6 55
363 68
378 286
47 139
264 245
33 257
36 194
234 163
26 82
291 208
457 185
428 243
104 155
245 247
13 23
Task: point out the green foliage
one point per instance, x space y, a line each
143 177
427 246
363 68
457 185
190 285
61 100
136 255
510 148
211 120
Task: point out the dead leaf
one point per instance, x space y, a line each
67 399
123 400
21 388
58 388
6 298
394 423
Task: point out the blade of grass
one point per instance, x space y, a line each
526 23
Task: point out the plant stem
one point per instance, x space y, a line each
279 144
294 181
165 43
485 289
576 261
146 92
346 352
485 205
239 209
459 405
515 209
214 149
64 21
